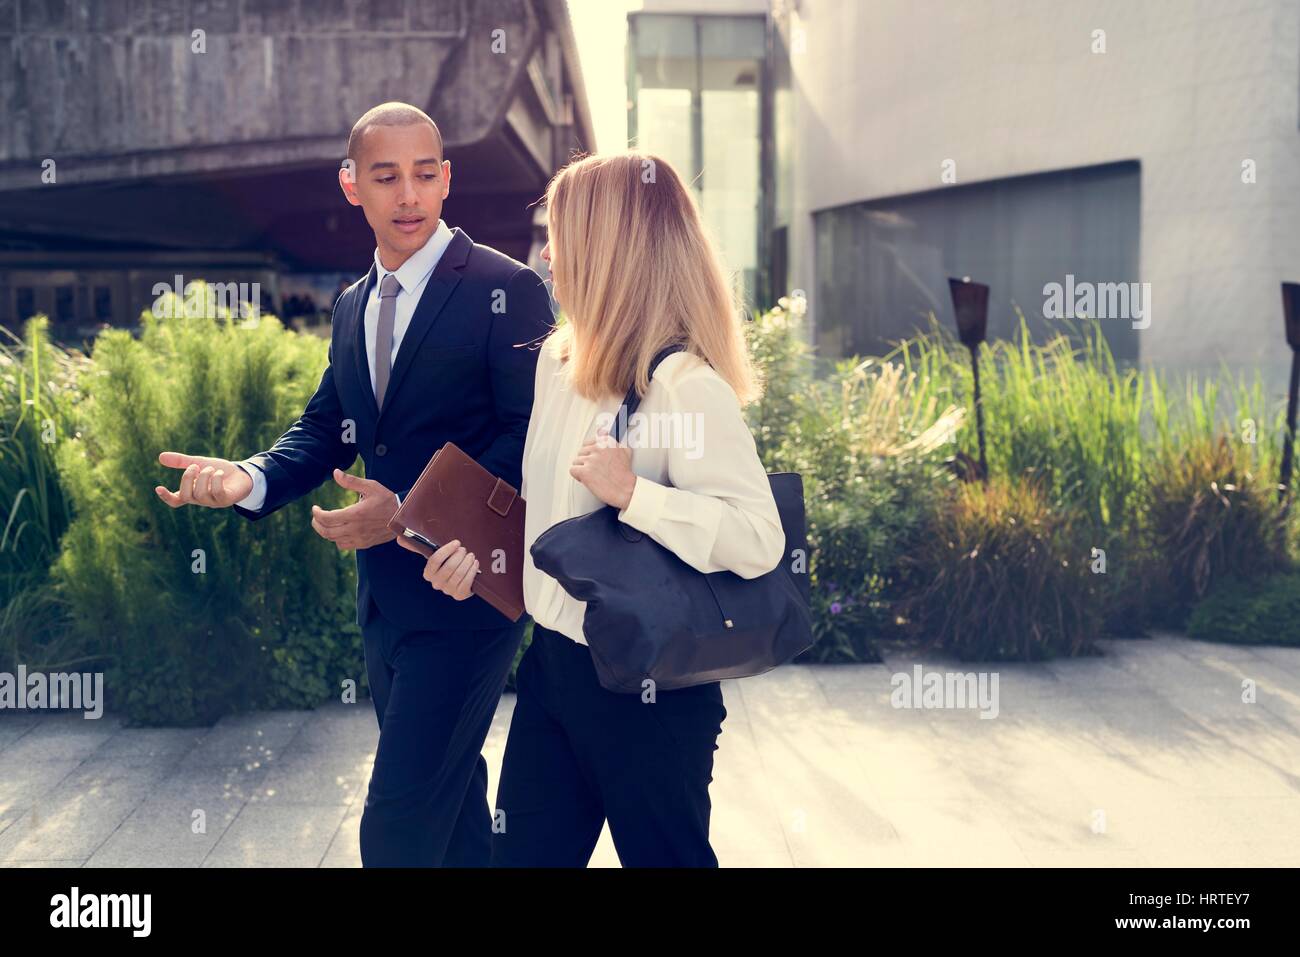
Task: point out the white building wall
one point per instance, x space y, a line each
703 6
886 90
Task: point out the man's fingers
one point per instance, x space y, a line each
208 484
456 567
182 460
463 586
171 498
443 552
443 563
203 486
333 518
176 460
464 577
451 569
324 531
202 483
352 483
188 477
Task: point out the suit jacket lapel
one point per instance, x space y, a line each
363 360
446 275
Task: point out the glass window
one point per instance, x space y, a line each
665 121
25 307
65 309
696 88
730 189
883 266
103 304
783 119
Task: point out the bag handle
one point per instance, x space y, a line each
632 400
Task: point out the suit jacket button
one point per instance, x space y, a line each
381 449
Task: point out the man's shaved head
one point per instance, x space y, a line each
390 114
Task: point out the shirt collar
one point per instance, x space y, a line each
416 269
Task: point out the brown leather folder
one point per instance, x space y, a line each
456 498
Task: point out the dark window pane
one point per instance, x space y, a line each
64 305
26 304
883 266
103 304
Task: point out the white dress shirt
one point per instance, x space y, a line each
413 275
701 491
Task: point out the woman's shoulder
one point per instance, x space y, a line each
678 367
690 378
549 365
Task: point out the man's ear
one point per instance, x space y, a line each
348 181
446 178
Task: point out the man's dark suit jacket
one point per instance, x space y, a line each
463 373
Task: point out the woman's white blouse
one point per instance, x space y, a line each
701 489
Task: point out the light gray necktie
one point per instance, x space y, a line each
388 290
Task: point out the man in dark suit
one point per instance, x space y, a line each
437 343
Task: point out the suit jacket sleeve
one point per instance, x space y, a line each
513 346
308 453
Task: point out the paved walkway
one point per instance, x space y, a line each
1144 757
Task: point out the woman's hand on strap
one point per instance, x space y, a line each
605 468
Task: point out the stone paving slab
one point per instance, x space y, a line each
19 791
57 736
182 819
1145 756
84 809
252 739
290 835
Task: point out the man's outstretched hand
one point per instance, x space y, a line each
363 524
218 483
214 483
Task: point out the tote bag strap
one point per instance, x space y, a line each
632 400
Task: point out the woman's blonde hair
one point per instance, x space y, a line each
636 270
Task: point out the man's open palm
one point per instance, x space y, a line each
215 483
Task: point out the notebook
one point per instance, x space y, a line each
456 498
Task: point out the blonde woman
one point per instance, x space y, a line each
633 271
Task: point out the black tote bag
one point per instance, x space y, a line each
650 616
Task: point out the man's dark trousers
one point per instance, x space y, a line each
435 693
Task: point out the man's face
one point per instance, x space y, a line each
401 181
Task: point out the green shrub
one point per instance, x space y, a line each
1063 411
1162 496
201 611
519 654
858 539
316 650
1002 575
867 442
1067 415
1254 611
1106 442
37 402
1210 518
784 362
